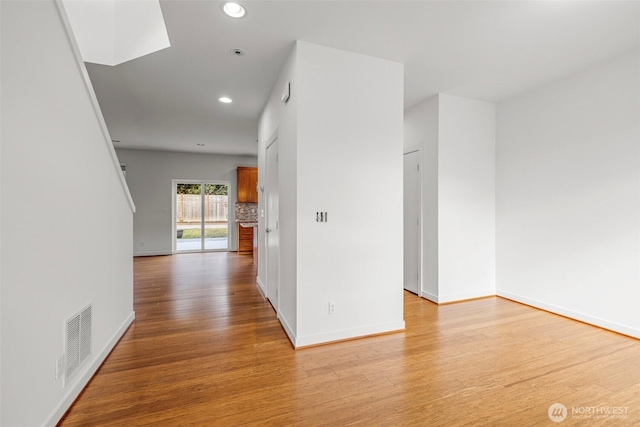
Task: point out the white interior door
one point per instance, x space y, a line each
412 222
272 232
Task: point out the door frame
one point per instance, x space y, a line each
174 189
271 141
409 150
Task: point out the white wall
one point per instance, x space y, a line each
457 139
350 164
421 130
568 196
466 198
66 221
280 120
1 116
149 175
340 152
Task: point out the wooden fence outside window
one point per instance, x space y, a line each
189 207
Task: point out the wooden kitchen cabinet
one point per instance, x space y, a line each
247 193
247 184
245 239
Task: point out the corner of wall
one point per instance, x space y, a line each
568 196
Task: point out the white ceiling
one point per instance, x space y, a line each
487 50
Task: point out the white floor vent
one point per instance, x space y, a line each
77 341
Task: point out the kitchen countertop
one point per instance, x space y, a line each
248 224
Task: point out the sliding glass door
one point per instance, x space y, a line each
201 216
216 216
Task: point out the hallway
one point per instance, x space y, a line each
207 350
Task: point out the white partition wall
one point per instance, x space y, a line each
421 130
466 198
279 120
340 137
457 138
350 164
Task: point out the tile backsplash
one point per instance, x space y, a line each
246 212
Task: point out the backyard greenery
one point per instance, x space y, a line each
209 189
194 233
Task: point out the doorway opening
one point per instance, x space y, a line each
201 216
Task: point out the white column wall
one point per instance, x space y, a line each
457 139
349 164
280 120
421 130
466 198
340 145
568 196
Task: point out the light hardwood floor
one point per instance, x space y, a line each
207 350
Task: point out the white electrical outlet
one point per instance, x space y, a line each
59 366
332 307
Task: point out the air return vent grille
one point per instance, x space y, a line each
78 341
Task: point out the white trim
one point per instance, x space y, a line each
348 334
287 329
272 138
94 100
174 236
410 149
156 253
582 317
88 373
431 297
466 295
261 286
270 142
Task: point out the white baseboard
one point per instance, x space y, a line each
261 286
582 317
152 253
465 296
348 334
88 373
431 297
287 329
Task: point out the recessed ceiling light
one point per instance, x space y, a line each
200 145
225 100
234 10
